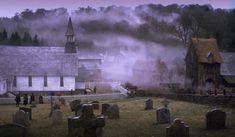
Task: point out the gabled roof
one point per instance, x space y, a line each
204 47
69 31
36 61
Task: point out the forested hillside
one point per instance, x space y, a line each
116 27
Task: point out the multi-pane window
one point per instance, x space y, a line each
30 81
61 81
45 81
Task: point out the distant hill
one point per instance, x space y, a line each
170 25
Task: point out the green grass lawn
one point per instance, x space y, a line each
134 120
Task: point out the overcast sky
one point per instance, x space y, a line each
8 8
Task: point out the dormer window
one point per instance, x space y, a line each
210 57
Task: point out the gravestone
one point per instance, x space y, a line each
215 119
95 104
55 106
57 117
29 110
148 104
177 129
75 106
163 115
113 112
87 124
105 108
22 118
13 130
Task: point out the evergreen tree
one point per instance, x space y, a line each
3 37
27 39
35 40
18 38
12 38
15 39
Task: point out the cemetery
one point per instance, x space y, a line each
144 71
118 118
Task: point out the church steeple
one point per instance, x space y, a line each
70 32
70 44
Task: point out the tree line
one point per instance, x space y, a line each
16 39
149 23
205 22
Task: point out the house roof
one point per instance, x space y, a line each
227 68
204 47
36 61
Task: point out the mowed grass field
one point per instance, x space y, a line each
134 120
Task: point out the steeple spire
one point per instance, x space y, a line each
70 46
70 31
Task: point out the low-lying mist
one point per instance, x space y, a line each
138 45
140 62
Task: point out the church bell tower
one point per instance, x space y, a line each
70 46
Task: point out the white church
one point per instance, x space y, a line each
47 69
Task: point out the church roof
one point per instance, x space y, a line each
36 61
69 31
204 47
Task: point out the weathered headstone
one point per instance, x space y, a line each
163 115
22 118
55 106
29 110
148 104
86 125
177 129
95 104
87 111
215 119
13 130
105 108
113 112
75 106
57 117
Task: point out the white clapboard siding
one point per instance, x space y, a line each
53 84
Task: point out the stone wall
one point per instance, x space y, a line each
46 99
228 100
